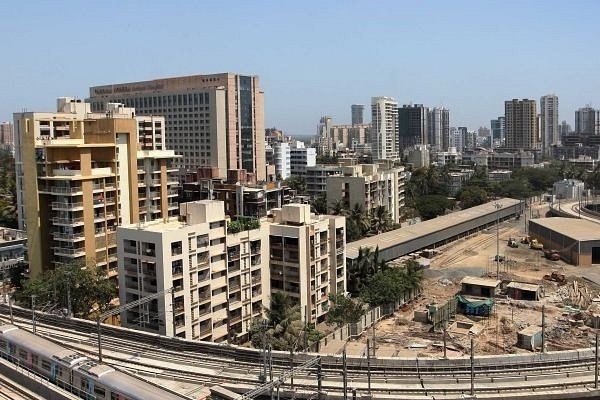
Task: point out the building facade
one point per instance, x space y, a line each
549 128
301 158
384 127
211 120
369 186
521 124
6 136
438 126
307 256
497 126
80 175
587 121
358 111
316 179
220 281
412 125
282 159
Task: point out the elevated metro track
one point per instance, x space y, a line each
552 375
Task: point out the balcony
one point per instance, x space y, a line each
62 190
173 206
69 251
67 221
68 236
57 205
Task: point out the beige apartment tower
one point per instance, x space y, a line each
212 120
220 280
80 175
521 121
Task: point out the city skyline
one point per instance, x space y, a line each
306 66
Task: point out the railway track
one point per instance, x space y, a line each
238 368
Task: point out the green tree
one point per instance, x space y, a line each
284 328
319 205
471 196
344 310
339 207
431 206
297 183
381 220
86 286
390 285
360 218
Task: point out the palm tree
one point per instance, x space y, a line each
412 278
285 322
360 218
339 207
381 220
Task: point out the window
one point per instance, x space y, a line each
22 354
176 248
46 365
99 391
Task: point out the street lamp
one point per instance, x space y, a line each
497 206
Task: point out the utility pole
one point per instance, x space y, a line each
543 327
33 296
497 205
368 368
472 369
345 374
69 309
12 320
596 364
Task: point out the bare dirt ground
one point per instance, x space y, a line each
400 336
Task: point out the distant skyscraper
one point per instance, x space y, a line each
384 130
6 135
324 132
412 125
564 130
438 125
212 120
357 114
498 131
521 124
549 122
469 138
587 121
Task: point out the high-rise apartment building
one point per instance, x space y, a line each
6 135
369 186
497 127
220 279
549 128
521 124
326 141
438 126
282 160
307 256
412 125
80 175
357 114
587 121
384 127
211 120
302 157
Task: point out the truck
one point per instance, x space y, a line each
552 255
534 244
512 242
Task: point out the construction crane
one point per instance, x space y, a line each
277 382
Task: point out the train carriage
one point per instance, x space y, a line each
39 355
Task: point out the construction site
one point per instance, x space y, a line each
499 287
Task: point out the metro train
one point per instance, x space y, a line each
74 371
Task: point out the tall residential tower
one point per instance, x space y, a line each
549 128
384 129
521 124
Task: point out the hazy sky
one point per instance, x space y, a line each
313 57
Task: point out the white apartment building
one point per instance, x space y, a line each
447 157
307 257
282 159
220 280
568 189
301 158
384 127
370 186
549 128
